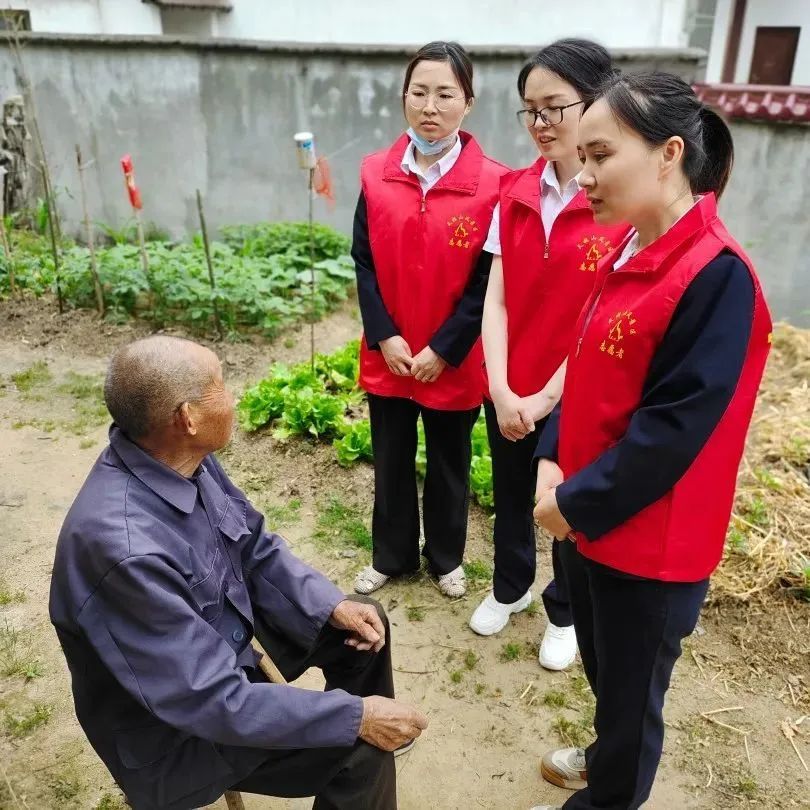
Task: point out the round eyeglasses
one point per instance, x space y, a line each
443 101
550 116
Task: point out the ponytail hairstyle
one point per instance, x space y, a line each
585 65
659 105
450 52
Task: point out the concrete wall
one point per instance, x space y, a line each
760 13
220 117
766 208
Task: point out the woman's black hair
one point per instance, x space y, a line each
450 52
659 105
585 65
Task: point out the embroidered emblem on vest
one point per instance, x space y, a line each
597 246
461 227
622 325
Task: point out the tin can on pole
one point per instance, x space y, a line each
305 147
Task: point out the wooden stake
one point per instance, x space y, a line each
312 267
49 201
13 39
234 800
144 257
4 236
207 247
88 231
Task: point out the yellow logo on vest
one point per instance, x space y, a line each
597 247
622 326
461 227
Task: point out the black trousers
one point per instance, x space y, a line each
629 632
446 496
513 481
360 777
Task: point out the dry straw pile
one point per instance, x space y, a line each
768 544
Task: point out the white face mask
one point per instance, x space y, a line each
427 147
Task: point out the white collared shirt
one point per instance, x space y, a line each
553 200
631 248
433 173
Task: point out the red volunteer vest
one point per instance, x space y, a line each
545 282
424 251
679 537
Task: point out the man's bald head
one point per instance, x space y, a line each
150 378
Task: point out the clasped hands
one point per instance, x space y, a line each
425 367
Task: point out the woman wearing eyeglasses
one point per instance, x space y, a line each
546 247
424 210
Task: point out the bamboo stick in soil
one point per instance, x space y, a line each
54 242
311 219
88 229
210 263
4 236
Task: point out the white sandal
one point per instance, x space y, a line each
369 580
453 584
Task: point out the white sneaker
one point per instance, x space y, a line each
453 584
565 768
369 580
558 648
491 616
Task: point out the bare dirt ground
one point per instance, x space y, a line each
493 710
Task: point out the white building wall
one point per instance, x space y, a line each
776 12
629 24
129 17
62 16
717 49
632 23
90 16
759 13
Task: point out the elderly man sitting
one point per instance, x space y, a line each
163 573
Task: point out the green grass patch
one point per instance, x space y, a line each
286 514
66 786
555 698
415 613
35 376
477 571
110 802
511 651
344 523
8 596
21 725
572 733
747 786
16 659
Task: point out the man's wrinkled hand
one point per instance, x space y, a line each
362 622
389 724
